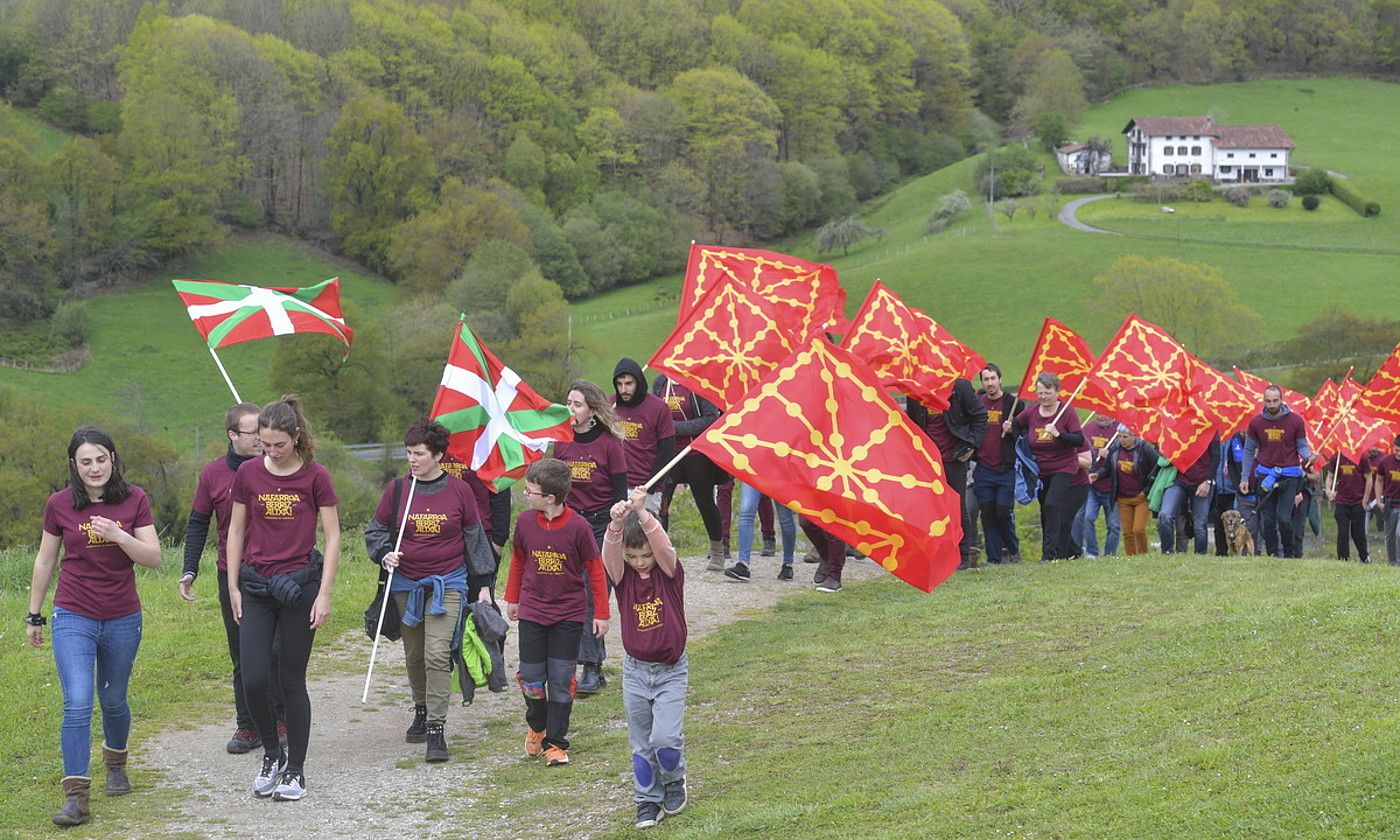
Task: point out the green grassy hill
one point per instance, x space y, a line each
991 282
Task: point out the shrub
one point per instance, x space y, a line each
1200 190
70 322
1158 192
1081 185
1017 172
1239 196
947 208
1310 202
1355 198
1312 182
1278 198
1051 130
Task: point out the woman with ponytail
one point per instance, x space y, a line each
283 584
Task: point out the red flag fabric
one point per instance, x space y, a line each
1353 434
1294 400
1227 404
820 435
1063 352
973 362
227 313
806 292
902 347
732 339
1381 396
1324 406
1152 374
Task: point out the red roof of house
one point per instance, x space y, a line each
1072 147
1162 126
1252 137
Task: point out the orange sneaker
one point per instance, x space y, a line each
555 756
534 742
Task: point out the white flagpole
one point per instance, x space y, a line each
383 604
227 381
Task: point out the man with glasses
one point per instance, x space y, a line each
211 499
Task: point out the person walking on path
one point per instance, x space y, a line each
1099 432
994 476
1276 454
1129 466
691 415
958 432
1056 441
1190 494
102 528
1347 495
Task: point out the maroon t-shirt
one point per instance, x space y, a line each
1129 482
1097 435
681 400
282 514
433 543
1277 439
1351 482
480 491
211 498
937 428
989 452
96 578
1198 472
644 426
548 561
1052 455
652 613
1389 469
592 465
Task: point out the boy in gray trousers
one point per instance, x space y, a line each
650 586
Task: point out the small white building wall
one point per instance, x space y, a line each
1158 157
1263 159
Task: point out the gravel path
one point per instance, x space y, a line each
361 773
1067 214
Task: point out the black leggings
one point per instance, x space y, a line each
1351 527
242 716
701 474
1059 502
262 619
547 679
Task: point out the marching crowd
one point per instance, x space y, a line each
595 527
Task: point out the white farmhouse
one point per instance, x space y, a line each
1173 147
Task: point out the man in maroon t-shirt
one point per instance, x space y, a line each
994 477
1388 480
1347 491
1275 454
649 433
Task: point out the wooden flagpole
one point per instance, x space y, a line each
662 474
1063 408
227 381
384 603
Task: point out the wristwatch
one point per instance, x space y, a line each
35 620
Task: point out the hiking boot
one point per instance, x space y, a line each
243 741
716 557
674 797
75 807
534 743
738 571
417 731
820 574
437 743
592 680
770 547
725 544
117 782
974 557
1013 558
829 585
554 757
811 556
785 573
291 788
648 815
265 783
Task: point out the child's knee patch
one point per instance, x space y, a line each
669 758
641 768
533 690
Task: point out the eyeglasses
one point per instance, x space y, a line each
535 493
253 433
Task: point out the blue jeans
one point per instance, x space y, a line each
996 491
749 497
1085 532
80 645
1175 501
653 697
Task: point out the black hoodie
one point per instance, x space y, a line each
649 433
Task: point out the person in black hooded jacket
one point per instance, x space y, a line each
691 415
649 433
957 432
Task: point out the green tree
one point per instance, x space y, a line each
85 187
1169 292
1050 130
802 197
428 250
1055 86
843 233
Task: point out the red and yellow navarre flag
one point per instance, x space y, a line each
1325 405
730 341
821 435
1354 434
1063 352
1227 404
806 292
973 362
1294 400
902 347
1381 396
1152 375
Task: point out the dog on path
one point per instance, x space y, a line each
1240 541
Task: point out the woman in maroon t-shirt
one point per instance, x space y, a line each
103 527
1347 492
277 501
1056 441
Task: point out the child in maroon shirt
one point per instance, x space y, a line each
547 593
650 583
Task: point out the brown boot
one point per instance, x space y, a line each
75 810
117 782
716 563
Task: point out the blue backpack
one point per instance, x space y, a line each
1027 473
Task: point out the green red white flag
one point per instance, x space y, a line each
227 313
499 424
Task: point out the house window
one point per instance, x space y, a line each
1195 169
1230 155
1168 169
1195 138
1273 154
1166 151
1181 169
1181 150
1269 172
1251 155
1224 170
1195 150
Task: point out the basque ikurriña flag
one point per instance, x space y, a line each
808 294
499 425
227 313
821 436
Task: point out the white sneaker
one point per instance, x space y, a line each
291 788
266 781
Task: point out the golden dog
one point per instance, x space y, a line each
1237 536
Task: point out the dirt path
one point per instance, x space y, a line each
361 773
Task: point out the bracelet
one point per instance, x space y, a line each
35 620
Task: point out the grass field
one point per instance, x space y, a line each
991 282
49 138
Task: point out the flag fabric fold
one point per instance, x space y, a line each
1226 404
227 313
907 349
1381 396
1294 400
1063 352
732 338
808 293
820 435
499 424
